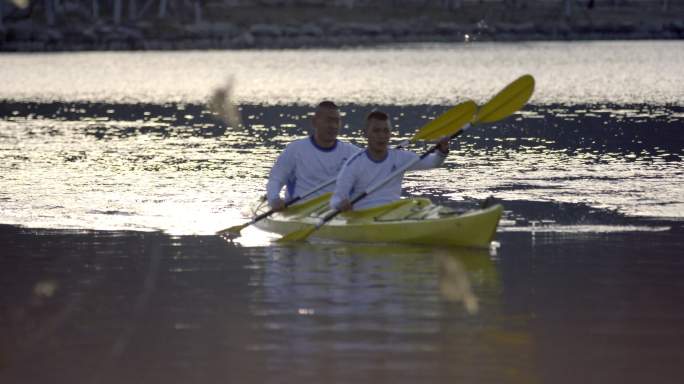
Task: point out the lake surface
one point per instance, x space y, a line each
147 307
442 74
114 174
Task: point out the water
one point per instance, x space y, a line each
114 174
146 167
594 308
566 72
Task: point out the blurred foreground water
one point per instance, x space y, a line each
114 175
146 307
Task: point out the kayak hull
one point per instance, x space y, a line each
408 221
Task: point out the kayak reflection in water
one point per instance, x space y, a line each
307 164
378 162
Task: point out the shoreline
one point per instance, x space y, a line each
359 35
220 26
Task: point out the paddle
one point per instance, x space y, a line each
444 124
447 123
502 105
510 99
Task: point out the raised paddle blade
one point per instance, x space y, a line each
232 232
299 235
448 123
507 101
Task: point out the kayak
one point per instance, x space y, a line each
408 221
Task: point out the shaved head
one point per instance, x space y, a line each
376 115
326 123
326 105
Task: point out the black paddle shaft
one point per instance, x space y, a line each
434 147
336 212
272 211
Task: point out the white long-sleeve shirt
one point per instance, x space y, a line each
361 172
303 165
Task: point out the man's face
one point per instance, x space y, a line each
326 123
378 134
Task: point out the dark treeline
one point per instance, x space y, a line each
177 24
52 12
119 11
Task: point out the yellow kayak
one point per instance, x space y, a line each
409 221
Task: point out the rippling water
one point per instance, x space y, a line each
601 131
566 72
176 168
581 285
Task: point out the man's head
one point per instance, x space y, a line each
326 123
378 131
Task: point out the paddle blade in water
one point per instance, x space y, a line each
295 236
509 100
448 123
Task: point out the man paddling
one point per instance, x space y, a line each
306 164
378 161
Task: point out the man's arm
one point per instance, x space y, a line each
282 169
343 187
435 159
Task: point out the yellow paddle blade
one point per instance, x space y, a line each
299 235
447 123
307 205
233 231
509 100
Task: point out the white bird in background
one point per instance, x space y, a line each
222 103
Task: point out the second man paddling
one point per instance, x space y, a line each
378 161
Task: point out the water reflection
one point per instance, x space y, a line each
160 307
421 305
152 307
